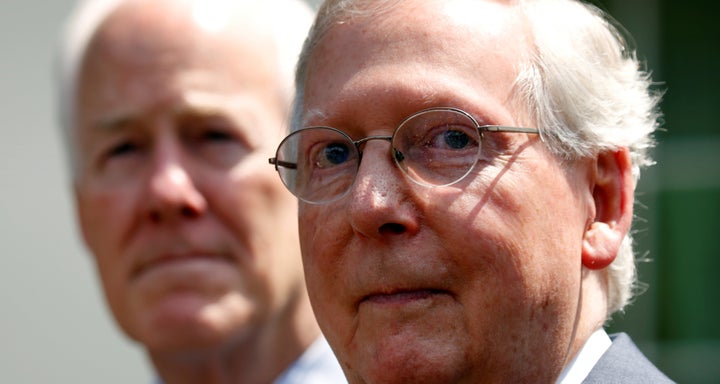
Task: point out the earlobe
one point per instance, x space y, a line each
613 192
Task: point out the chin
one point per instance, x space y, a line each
186 322
418 371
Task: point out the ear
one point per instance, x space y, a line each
613 193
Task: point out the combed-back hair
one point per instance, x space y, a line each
582 85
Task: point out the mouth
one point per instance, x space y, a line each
179 260
402 296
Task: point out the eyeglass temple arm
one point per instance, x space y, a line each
503 128
488 128
280 163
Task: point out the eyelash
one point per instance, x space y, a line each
216 134
122 148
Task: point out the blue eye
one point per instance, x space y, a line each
456 139
452 138
336 153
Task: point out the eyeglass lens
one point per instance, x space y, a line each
433 147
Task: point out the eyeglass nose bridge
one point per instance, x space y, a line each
361 143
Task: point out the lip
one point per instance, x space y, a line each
177 259
402 296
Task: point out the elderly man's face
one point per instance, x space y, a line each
474 282
195 240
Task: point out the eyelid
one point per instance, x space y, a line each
115 148
194 125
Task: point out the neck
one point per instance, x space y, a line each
592 309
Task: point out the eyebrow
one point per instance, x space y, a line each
203 102
116 122
199 103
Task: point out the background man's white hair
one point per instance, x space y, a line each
288 21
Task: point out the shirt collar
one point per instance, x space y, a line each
316 365
585 360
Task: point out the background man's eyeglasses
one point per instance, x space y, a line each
434 147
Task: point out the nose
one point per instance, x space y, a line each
380 203
171 192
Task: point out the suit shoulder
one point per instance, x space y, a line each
623 362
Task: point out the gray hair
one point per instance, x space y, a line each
582 85
288 21
587 90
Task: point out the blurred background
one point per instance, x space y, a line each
54 326
676 321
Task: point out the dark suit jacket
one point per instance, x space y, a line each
623 363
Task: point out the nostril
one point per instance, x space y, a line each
188 212
392 228
160 215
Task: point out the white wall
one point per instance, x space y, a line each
54 327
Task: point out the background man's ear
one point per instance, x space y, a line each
613 193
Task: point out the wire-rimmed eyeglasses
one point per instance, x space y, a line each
434 147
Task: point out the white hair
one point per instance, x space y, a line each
582 86
288 21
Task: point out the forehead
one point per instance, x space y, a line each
433 49
151 42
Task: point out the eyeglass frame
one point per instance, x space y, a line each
358 143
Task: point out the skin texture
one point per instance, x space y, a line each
195 239
486 280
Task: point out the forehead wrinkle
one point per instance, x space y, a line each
197 102
403 92
238 105
384 42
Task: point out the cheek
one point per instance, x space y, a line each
255 174
319 255
308 216
261 217
324 232
311 252
249 201
101 217
514 247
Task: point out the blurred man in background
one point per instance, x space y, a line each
171 108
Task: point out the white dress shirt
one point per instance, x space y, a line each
583 363
317 365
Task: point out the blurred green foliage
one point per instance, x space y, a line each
675 321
